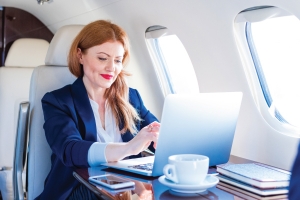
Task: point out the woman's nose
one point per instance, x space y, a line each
110 66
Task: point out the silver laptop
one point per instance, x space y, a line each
202 123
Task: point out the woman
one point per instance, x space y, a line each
94 120
294 192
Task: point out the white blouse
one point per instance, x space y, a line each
96 154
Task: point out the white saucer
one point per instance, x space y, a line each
209 182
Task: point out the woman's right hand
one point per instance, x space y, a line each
144 138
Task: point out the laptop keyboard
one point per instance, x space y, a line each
147 166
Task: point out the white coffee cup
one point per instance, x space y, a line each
188 169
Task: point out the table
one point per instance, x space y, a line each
150 188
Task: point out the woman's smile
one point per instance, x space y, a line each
107 76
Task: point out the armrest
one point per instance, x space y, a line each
5 168
20 150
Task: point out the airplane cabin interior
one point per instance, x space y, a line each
176 47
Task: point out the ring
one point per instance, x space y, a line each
150 128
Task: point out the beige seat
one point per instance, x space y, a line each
55 74
23 56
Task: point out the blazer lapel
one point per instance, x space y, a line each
84 110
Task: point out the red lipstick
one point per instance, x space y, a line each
106 76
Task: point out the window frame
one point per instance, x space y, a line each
260 73
160 64
268 113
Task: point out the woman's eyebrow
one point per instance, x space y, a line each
103 53
109 55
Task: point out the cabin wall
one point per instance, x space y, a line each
206 29
15 24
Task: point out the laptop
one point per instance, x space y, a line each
200 123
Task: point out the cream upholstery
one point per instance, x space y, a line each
30 52
55 74
23 56
57 54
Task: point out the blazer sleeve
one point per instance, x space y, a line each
294 192
62 134
146 116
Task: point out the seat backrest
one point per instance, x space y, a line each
23 56
55 74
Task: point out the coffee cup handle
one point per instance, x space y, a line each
169 171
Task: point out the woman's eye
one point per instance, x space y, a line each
102 59
118 61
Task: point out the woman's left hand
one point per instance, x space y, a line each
144 138
118 151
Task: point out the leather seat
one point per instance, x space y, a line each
23 56
55 74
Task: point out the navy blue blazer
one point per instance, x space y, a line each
70 130
294 188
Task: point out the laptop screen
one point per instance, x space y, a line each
201 123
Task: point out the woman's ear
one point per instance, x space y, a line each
79 55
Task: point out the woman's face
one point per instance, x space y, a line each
102 63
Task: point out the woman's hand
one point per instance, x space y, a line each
118 151
144 138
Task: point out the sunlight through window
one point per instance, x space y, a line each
172 65
277 45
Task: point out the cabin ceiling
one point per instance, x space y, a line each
63 10
78 11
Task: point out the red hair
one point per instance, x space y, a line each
97 33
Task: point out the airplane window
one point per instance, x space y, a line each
171 61
274 45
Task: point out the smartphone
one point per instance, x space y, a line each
114 191
111 181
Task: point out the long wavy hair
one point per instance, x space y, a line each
97 33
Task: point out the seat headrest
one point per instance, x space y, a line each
60 45
27 52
